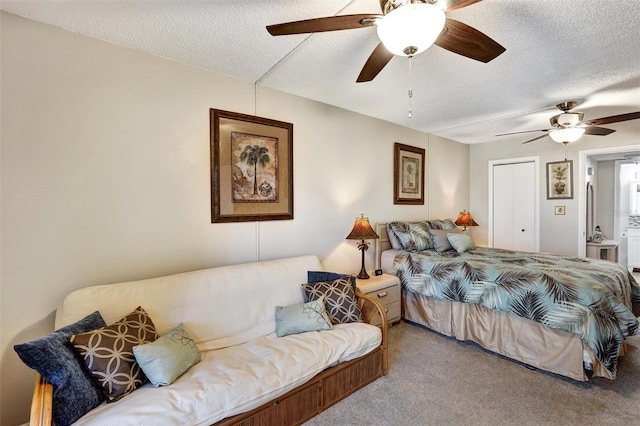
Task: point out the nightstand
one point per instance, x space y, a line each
386 289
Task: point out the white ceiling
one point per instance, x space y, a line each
556 50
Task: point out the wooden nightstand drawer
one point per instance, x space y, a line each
386 289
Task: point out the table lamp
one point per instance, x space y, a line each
362 231
465 219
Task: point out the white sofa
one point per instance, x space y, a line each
246 374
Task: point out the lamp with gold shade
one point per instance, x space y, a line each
362 231
465 219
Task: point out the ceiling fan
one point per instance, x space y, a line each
405 28
569 126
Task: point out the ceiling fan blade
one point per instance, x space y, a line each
378 59
459 4
467 41
525 131
598 131
318 25
534 139
616 118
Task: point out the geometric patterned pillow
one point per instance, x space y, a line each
108 353
340 299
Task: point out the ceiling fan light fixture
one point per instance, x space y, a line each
568 119
411 28
566 134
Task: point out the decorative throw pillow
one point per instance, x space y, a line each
440 239
74 391
461 242
412 236
320 276
300 318
167 358
108 353
340 299
442 224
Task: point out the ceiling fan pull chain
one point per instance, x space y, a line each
410 89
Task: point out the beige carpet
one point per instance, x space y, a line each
435 380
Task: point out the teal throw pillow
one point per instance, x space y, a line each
167 358
303 317
461 242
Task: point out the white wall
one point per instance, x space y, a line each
105 178
558 234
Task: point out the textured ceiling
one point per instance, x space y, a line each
584 50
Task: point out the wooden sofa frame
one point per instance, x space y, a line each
293 408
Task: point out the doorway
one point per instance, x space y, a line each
586 158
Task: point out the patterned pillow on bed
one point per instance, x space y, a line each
441 224
412 236
441 239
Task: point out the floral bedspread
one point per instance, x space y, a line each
588 297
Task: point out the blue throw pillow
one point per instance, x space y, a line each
301 318
167 358
74 391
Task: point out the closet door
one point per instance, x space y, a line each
514 206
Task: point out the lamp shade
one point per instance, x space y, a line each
411 28
362 230
566 134
465 219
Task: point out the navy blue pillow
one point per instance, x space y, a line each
321 276
74 390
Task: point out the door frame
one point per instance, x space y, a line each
582 183
536 216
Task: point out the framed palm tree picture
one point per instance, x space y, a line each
251 168
408 174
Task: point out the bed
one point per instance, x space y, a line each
571 316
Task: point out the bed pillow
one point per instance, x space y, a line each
461 242
412 236
340 299
302 317
440 239
442 224
74 391
167 358
108 353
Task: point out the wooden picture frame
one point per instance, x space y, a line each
408 174
560 180
251 168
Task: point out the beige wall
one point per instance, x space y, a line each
105 178
558 234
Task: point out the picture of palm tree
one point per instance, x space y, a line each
410 175
255 168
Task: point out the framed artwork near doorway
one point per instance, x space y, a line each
560 180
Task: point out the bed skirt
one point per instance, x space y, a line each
517 338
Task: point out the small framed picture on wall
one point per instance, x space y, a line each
560 211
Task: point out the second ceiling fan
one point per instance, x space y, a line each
405 28
569 126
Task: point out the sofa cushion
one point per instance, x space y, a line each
108 353
53 356
165 359
302 317
239 378
187 298
340 299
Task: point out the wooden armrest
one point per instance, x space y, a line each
41 403
384 326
